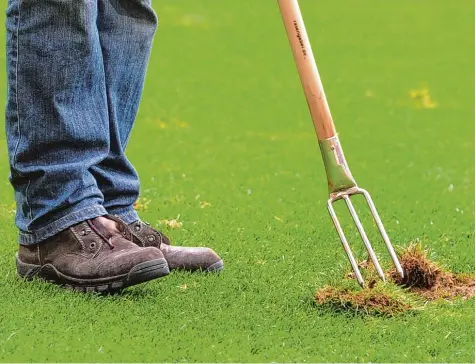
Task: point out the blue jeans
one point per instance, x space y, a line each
76 71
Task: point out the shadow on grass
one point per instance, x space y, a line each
41 289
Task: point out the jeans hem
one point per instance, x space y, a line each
128 216
61 224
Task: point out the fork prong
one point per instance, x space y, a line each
385 237
345 244
368 246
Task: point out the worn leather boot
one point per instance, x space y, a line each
178 257
95 255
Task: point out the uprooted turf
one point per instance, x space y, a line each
380 300
428 278
228 158
424 280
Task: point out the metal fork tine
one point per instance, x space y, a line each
345 244
383 232
370 250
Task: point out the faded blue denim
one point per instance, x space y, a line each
76 71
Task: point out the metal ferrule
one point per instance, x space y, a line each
338 174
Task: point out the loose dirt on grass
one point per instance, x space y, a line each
428 279
424 280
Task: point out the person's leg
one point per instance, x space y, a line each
126 30
56 115
57 129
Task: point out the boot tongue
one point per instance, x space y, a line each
107 231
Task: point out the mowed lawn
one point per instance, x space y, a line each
224 143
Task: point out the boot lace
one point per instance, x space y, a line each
108 239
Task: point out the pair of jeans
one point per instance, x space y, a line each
76 71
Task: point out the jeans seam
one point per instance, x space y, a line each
26 200
15 152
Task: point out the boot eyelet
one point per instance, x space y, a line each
137 227
151 238
85 231
92 245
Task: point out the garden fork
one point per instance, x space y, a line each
340 181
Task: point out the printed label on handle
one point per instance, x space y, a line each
299 37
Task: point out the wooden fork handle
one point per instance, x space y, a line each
306 65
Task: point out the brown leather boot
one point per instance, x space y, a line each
95 255
178 257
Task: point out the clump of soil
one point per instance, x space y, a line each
423 280
366 301
428 279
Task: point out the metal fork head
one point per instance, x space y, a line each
346 196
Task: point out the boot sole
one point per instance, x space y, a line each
140 273
215 267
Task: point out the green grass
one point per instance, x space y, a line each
238 135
